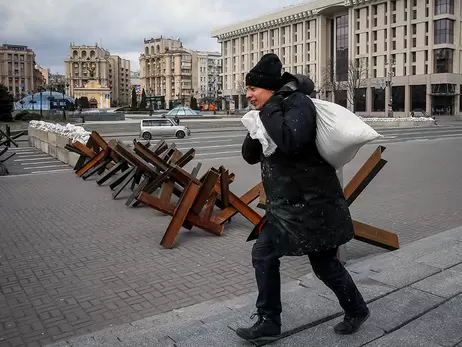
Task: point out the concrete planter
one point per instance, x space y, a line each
52 144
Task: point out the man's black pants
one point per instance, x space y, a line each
326 267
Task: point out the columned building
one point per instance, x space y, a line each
377 57
174 73
18 70
88 63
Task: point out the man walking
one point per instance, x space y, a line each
306 210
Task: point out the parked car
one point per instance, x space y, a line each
162 126
182 111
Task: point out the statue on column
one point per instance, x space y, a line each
91 71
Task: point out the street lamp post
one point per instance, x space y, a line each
389 84
50 86
150 102
64 108
41 110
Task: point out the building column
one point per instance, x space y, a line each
240 103
223 104
369 100
456 110
388 91
407 99
428 99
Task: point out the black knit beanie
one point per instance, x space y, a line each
266 74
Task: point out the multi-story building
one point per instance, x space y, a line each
208 73
45 73
87 63
119 80
374 56
170 71
18 70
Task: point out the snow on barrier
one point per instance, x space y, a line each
51 138
404 122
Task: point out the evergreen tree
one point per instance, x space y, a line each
84 103
6 104
193 103
134 100
143 104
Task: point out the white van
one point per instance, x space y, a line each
162 126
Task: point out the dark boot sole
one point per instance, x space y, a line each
356 330
258 339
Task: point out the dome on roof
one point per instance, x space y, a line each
33 101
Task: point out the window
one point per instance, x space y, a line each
444 60
398 93
444 7
155 123
418 101
360 100
378 102
444 31
342 48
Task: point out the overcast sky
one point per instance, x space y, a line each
48 26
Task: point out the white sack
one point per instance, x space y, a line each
340 133
252 122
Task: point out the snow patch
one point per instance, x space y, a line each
74 132
396 120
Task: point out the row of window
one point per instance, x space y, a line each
443 97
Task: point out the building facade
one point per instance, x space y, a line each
18 70
87 63
208 73
45 73
170 71
377 57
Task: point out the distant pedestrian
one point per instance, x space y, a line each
177 120
306 210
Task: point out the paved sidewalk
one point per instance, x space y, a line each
415 297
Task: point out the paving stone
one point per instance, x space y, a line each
300 307
54 246
323 335
369 288
442 325
400 307
215 335
441 251
401 338
394 271
446 284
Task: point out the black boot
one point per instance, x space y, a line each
264 329
350 325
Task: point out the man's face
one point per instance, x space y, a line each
258 96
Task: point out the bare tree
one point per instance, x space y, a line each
318 87
241 88
329 80
357 77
